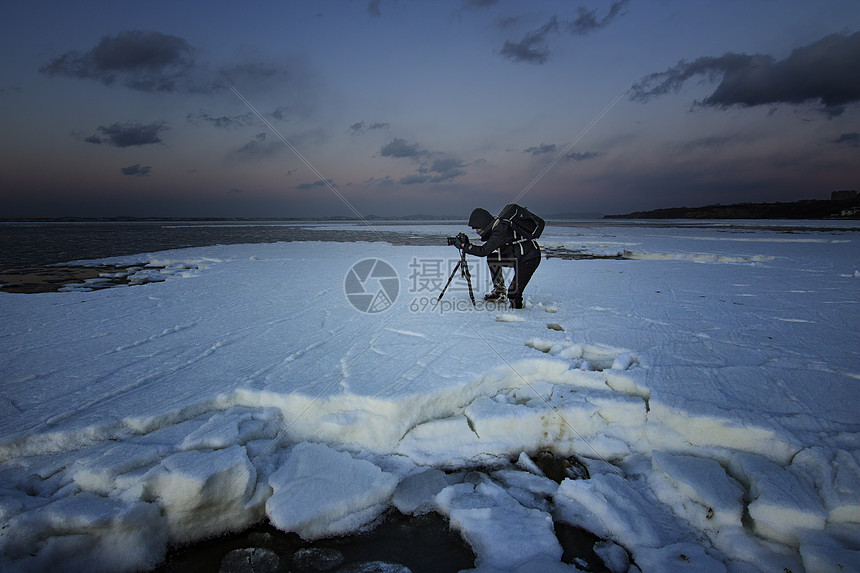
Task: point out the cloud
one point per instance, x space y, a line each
129 134
362 127
136 170
445 165
279 114
374 8
235 191
434 167
468 5
440 170
824 72
428 178
552 148
852 139
234 121
413 179
399 147
142 60
151 61
534 49
582 156
261 147
478 4
315 185
541 149
222 121
588 22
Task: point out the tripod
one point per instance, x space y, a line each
464 272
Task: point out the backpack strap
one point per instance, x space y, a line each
518 239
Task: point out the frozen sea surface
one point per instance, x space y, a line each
710 383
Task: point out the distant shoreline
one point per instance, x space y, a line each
810 209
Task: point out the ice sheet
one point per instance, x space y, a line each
711 386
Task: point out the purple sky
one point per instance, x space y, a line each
398 108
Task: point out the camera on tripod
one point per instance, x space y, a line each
460 239
462 266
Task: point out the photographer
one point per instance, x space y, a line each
503 248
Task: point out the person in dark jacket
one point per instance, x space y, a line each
503 247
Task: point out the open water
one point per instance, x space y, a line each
34 256
26 245
35 244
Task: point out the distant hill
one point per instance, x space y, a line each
806 209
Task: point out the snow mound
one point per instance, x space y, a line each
321 492
483 512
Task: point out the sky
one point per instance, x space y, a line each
394 108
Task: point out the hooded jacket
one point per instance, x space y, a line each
498 237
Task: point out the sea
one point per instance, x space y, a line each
26 244
35 244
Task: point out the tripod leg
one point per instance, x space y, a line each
465 267
441 294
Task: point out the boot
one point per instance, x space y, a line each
496 295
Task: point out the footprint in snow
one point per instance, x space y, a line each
509 318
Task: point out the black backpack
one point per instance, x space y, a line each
525 223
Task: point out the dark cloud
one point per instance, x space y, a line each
315 185
413 179
467 4
432 178
401 148
588 22
434 167
439 170
824 72
142 60
582 156
541 149
151 61
445 165
534 48
129 134
235 121
222 121
374 8
260 146
235 191
552 148
362 127
136 170
852 139
280 113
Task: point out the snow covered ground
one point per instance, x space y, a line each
710 383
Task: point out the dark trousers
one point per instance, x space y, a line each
523 271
